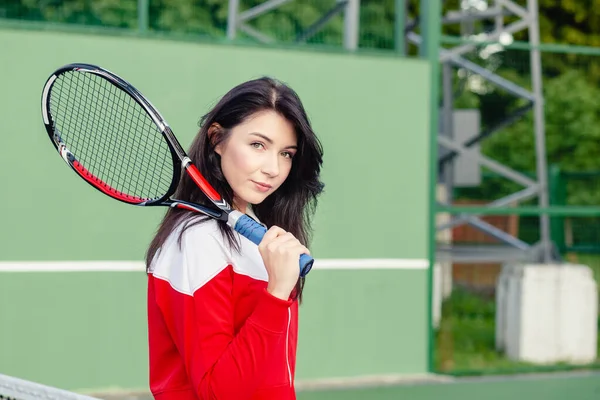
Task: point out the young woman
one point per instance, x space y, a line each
223 312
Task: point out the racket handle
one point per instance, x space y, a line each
254 231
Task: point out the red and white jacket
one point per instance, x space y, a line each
214 331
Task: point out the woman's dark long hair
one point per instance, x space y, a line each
291 206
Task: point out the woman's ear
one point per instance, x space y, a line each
213 131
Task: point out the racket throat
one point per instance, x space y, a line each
184 205
203 184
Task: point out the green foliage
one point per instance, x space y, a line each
572 129
570 21
572 135
205 17
561 21
289 21
113 13
465 340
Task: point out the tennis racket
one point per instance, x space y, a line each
115 139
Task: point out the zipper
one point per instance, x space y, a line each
287 351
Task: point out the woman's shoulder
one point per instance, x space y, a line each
192 245
196 252
205 230
204 237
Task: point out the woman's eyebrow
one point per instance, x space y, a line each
270 141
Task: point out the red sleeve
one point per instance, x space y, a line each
220 364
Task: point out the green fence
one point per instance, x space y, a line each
313 22
576 234
466 335
465 338
577 194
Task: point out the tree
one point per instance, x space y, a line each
572 139
570 21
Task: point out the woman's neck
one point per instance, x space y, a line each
240 205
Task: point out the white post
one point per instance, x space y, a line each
351 24
232 16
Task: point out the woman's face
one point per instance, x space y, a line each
257 157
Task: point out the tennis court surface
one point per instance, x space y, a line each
557 386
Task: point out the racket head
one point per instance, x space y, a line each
110 134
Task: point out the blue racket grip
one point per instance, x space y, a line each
254 231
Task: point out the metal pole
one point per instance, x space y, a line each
539 128
399 26
143 15
351 24
232 17
431 13
448 127
499 21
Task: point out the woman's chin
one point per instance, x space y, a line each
251 198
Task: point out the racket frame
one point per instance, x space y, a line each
179 157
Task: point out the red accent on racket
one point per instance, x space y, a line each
202 183
103 186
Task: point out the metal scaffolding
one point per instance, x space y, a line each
451 58
238 21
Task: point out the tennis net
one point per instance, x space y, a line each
18 389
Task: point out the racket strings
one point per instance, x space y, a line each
113 141
111 135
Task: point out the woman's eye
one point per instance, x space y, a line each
257 145
287 154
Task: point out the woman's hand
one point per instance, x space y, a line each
280 252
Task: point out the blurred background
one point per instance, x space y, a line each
458 240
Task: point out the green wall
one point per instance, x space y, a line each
371 115
86 330
370 112
74 330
